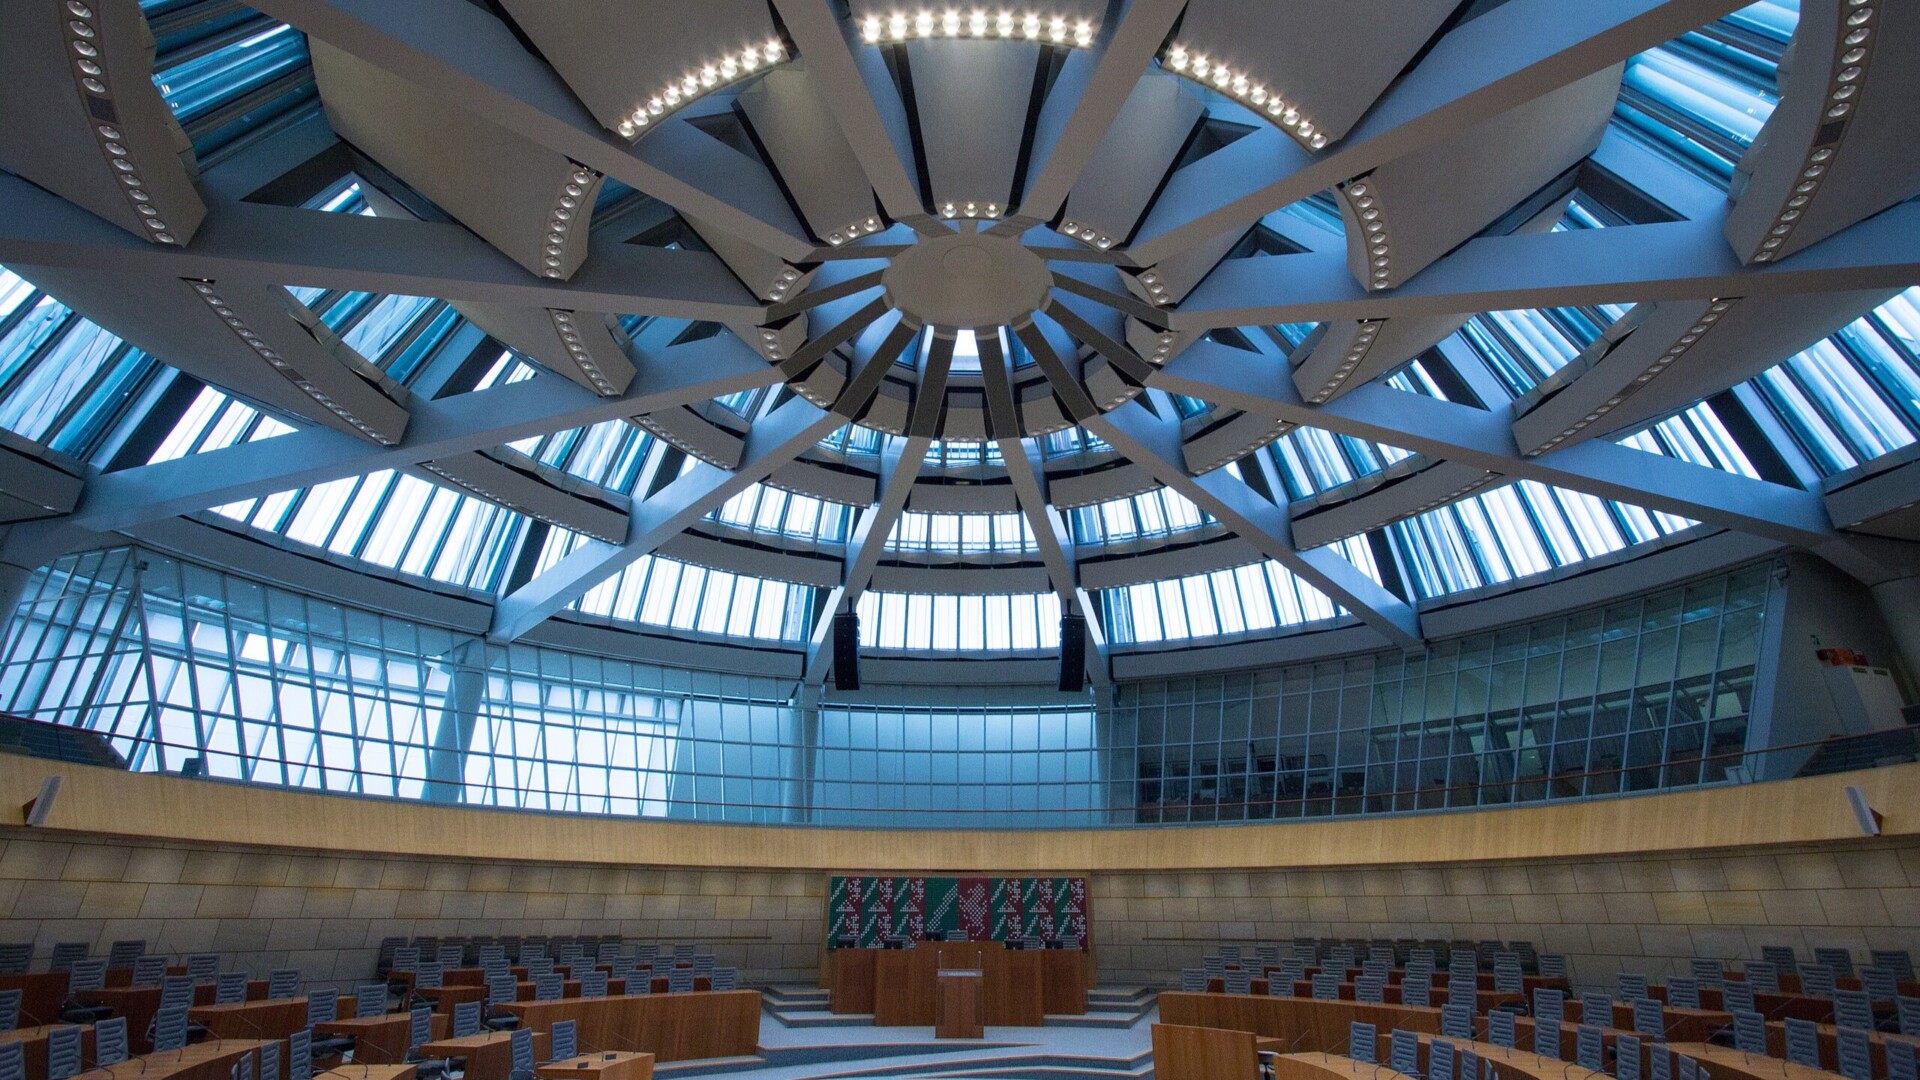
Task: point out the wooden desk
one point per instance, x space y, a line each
41 995
489 1055
381 1040
850 982
1318 1066
139 1003
1305 1024
1186 1052
210 1060
1772 1006
1569 1037
1728 1062
1483 999
959 1005
33 1045
1022 988
610 1065
444 998
1524 1062
1830 1045
672 1027
355 1070
273 1019
1683 1025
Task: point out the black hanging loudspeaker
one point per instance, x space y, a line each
1073 653
846 651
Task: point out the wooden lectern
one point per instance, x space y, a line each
959 1000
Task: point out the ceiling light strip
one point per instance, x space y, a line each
83 35
563 324
1851 57
1363 339
211 297
1279 428
1715 311
481 492
1363 200
1086 234
980 209
1184 60
569 208
731 68
976 24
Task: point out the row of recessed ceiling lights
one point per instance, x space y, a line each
1279 428
700 81
211 297
864 227
567 206
770 343
1156 288
1182 59
505 503
1448 499
782 284
898 26
673 439
1163 345
970 209
84 37
576 348
1363 198
1852 55
1086 234
1363 339
1716 310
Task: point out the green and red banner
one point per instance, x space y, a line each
868 910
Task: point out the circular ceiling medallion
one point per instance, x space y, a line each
968 280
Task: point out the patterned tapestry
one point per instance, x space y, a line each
870 909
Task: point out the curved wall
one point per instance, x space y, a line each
275 878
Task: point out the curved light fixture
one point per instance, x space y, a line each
698 82
1286 115
977 24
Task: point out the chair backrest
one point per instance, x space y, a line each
1466 958
176 992
1214 965
419 1029
1552 965
1589 1048
1780 956
1238 981
1840 960
1371 989
122 954
564 1044
428 976
548 987
1456 1020
1689 1069
1470 1065
502 991
531 951
406 958
644 954
1881 984
685 952
538 966
1630 985
1403 1052
1377 965
1817 980
522 1046
270 1060
593 984
370 999
230 988
388 946
1500 1028
1459 974
1439 1060
68 953
323 1005
15 957
1363 1042
492 954
1340 956
1549 1004
705 963
149 970
1326 986
1898 961
449 956
63 1052
608 952
1292 970
300 1055
1626 1057
1659 1061
1649 1017
1750 1032
1856 1053
1230 953
1803 1043
1417 990
1736 996
1708 971
729 978
1908 1010
283 983
1763 976
639 981
86 975
466 1019
203 967
1683 992
571 953
1508 980
10 1008
13 1061
1903 1060
170 1028
1546 1036
1853 1008
680 981
1596 1007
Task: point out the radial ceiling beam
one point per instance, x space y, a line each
684 374
1483 438
1093 85
1678 260
777 438
278 245
1501 59
462 52
1153 442
856 86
